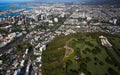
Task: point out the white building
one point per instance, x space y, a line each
22 63
1 61
56 19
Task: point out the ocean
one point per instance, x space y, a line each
12 6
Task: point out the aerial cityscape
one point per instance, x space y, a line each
60 37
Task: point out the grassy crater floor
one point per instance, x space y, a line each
82 54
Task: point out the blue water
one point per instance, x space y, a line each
12 6
3 6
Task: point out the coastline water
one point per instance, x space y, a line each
12 6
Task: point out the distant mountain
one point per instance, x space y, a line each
106 1
82 1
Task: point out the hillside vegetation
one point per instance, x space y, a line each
82 54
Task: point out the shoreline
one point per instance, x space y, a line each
12 12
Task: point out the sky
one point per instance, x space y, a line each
15 0
61 0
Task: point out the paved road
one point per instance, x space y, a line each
14 43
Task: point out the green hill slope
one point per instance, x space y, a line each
82 54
